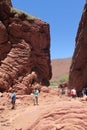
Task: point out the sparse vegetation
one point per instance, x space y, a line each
63 79
18 14
53 83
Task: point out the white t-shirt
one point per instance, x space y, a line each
73 92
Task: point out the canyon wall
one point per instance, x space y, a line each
78 69
24 47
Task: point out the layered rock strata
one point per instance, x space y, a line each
24 47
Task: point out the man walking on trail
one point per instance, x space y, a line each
36 92
13 99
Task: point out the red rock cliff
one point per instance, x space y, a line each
24 46
78 70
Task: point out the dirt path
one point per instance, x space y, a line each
23 116
26 114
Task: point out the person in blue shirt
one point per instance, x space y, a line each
84 92
13 99
36 92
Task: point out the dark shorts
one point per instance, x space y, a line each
13 101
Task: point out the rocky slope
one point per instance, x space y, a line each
60 68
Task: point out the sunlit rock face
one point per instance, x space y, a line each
78 69
24 47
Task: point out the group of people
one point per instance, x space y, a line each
67 92
13 97
74 93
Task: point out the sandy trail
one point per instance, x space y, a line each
25 115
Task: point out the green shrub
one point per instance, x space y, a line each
63 79
53 83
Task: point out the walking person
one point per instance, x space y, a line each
84 92
73 93
13 99
36 93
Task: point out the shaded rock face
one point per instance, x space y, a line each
24 47
78 69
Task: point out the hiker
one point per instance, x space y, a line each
84 92
36 92
13 99
73 93
62 89
66 91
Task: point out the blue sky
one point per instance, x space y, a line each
63 16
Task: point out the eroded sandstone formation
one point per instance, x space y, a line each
78 69
24 47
